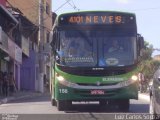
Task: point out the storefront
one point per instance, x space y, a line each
15 53
7 23
3 51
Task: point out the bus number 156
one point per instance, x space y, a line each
64 91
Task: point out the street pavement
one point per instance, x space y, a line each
26 105
29 94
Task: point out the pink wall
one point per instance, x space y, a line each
3 2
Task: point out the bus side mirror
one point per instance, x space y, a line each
53 41
141 43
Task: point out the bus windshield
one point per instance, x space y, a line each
96 49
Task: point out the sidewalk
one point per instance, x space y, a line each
20 95
144 96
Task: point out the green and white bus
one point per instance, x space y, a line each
86 67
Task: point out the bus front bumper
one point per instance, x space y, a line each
75 92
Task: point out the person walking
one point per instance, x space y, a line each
11 83
5 84
141 82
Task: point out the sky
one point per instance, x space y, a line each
147 13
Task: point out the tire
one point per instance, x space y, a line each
60 105
68 105
63 105
124 105
53 102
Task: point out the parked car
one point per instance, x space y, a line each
155 94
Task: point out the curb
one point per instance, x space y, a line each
5 100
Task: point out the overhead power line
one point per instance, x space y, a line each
61 6
77 9
73 6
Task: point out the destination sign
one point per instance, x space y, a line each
95 19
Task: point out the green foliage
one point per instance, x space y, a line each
147 51
148 66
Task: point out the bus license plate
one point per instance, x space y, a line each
97 92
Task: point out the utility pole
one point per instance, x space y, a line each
41 44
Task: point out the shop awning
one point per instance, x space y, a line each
8 14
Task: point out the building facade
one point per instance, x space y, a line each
30 65
10 52
3 2
156 57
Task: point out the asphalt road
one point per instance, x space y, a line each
39 108
41 105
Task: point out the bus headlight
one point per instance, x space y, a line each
65 82
60 78
134 78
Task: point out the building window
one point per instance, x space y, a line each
47 9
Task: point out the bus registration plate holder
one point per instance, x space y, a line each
97 92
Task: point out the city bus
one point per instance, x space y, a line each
87 67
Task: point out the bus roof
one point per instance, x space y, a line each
94 17
83 12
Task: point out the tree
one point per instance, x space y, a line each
147 51
147 65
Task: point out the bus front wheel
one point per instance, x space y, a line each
64 105
60 105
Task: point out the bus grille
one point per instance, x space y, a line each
94 84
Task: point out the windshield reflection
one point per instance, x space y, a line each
119 51
77 50
82 48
